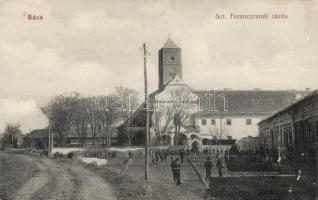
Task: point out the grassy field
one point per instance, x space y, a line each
258 188
235 185
160 184
14 171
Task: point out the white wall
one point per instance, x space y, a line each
237 129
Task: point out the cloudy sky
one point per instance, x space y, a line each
89 46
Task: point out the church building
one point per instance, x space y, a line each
209 118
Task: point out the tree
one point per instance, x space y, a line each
11 135
218 132
60 112
129 100
107 116
93 118
81 117
161 120
178 101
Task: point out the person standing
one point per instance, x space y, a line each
181 155
153 156
219 165
177 169
208 166
172 165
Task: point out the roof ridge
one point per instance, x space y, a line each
170 45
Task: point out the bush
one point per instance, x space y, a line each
57 155
92 164
45 152
70 155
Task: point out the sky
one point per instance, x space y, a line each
93 46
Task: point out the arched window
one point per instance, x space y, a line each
203 122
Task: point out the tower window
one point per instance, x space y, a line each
228 122
248 121
212 121
172 58
203 122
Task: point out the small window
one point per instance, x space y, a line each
212 121
228 122
203 122
172 58
248 121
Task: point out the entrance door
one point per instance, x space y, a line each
195 146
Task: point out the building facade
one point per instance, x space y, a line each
292 131
207 115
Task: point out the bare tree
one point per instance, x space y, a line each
60 112
93 118
108 116
161 121
11 135
177 101
129 99
82 114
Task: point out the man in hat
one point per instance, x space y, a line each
177 169
172 165
219 165
208 166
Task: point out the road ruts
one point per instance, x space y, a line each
92 186
34 184
63 181
61 184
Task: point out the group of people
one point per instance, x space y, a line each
162 155
208 165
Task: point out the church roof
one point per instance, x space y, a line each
246 102
176 80
170 45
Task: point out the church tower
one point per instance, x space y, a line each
169 62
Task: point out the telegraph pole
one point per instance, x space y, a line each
49 147
30 139
147 115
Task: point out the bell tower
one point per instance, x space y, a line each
169 62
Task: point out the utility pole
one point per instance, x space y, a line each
49 146
11 140
147 115
30 139
52 140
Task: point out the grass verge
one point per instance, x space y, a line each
127 187
14 172
259 188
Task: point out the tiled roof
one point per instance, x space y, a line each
246 102
312 94
39 133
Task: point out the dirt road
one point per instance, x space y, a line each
63 182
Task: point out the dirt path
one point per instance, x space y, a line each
56 181
92 186
35 183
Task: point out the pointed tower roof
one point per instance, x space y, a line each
170 45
